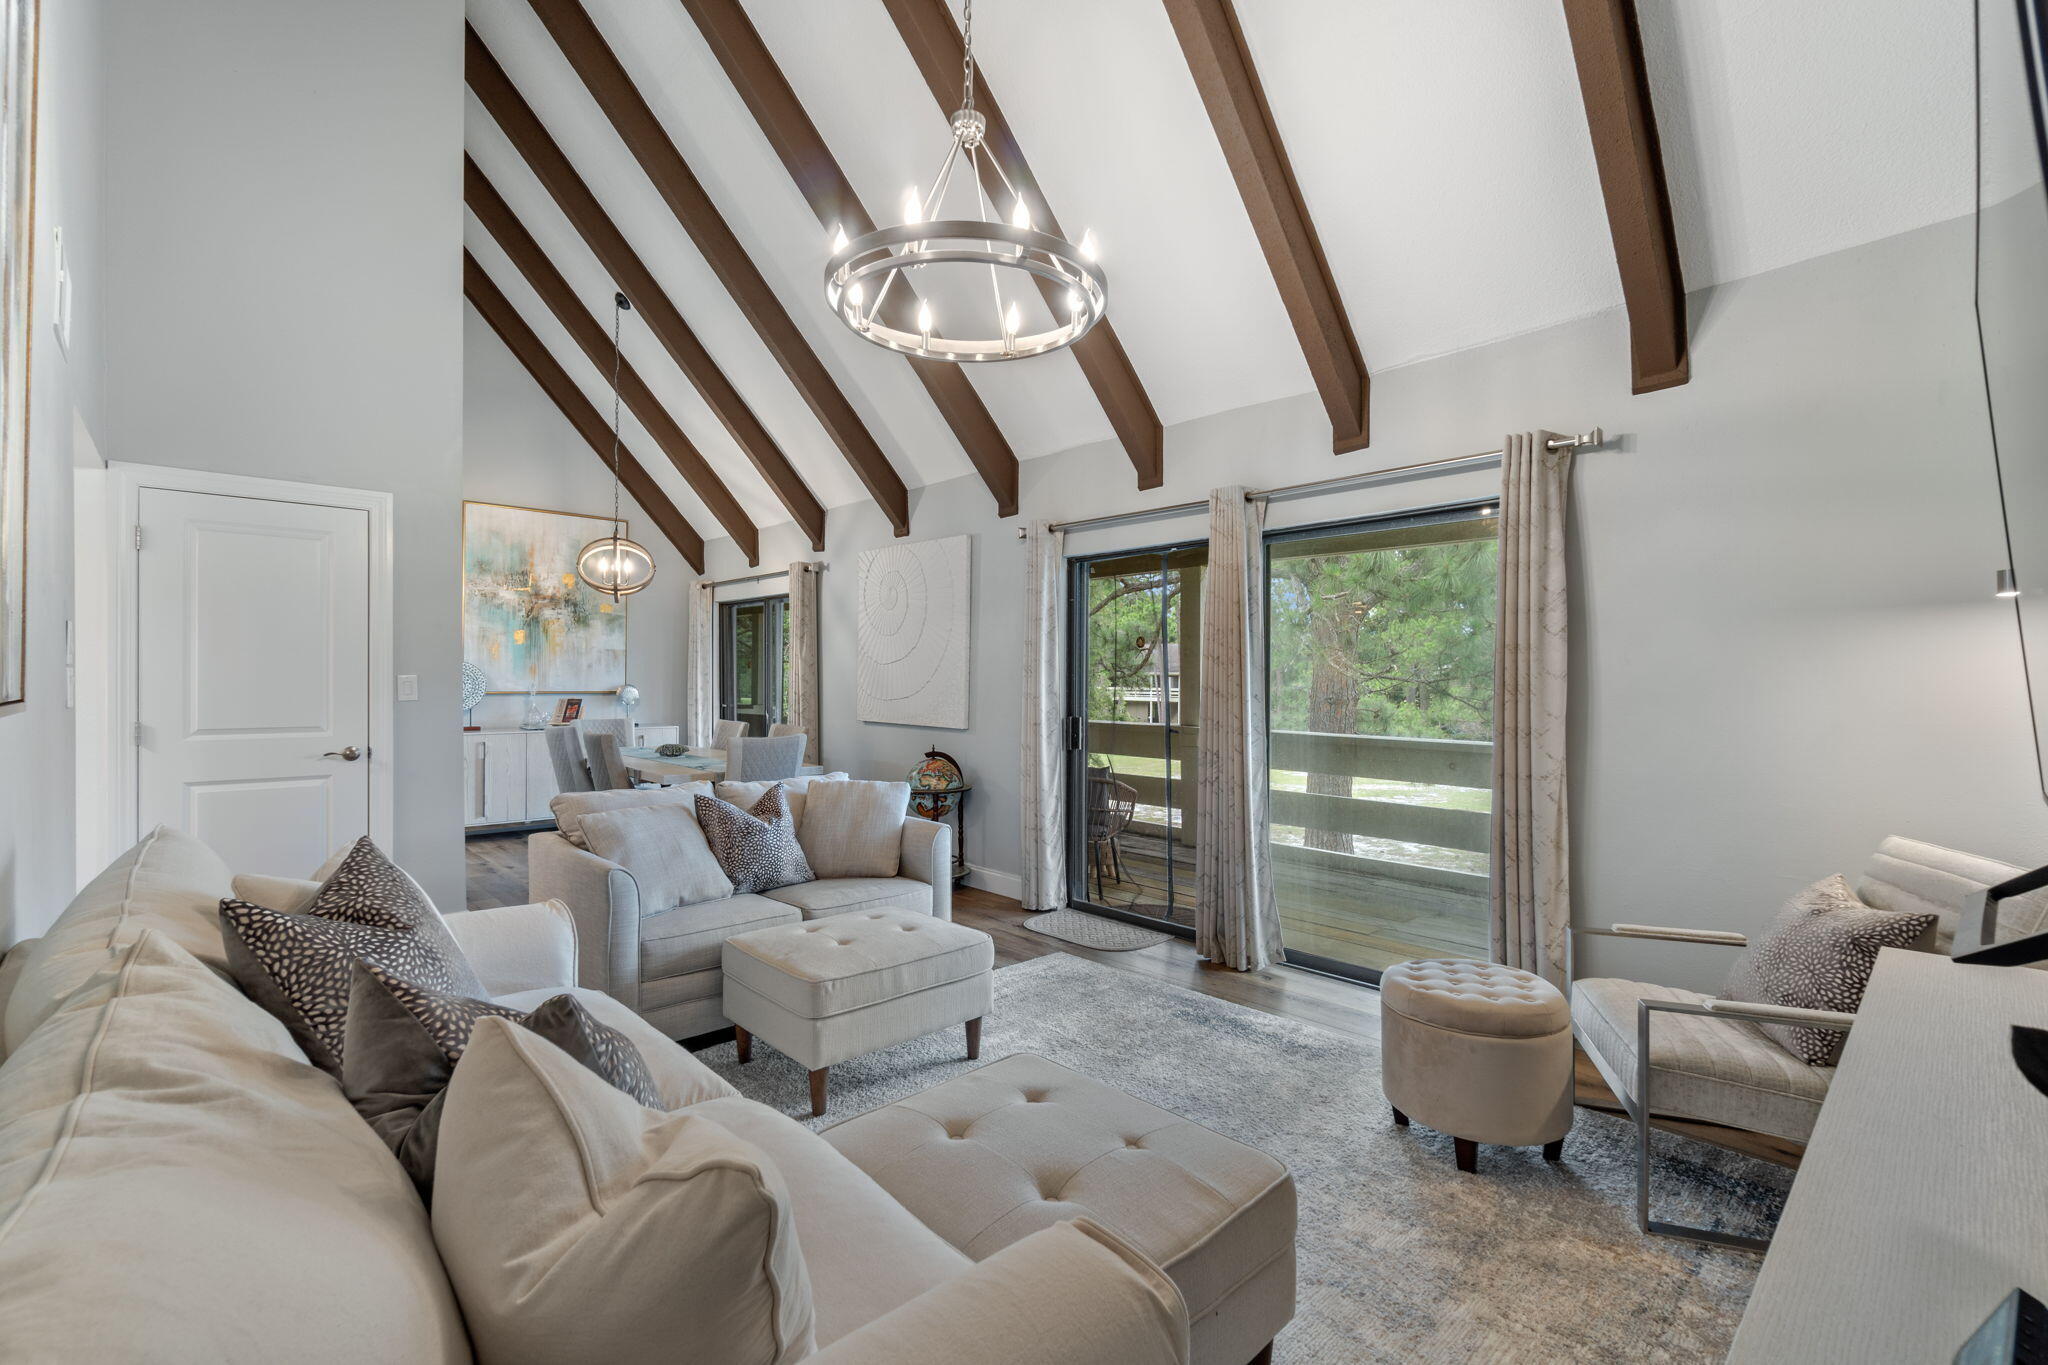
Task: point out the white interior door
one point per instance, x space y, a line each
252 683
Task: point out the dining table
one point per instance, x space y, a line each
692 765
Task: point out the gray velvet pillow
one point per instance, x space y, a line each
405 1040
1818 955
757 847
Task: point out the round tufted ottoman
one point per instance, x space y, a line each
1479 1051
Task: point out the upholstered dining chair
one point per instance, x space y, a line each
783 727
750 758
726 731
1710 1061
602 740
565 751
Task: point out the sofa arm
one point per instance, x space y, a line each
518 947
605 902
1070 1294
927 856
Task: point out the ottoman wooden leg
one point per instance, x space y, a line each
1400 1119
1554 1151
818 1091
1468 1152
973 1040
744 1041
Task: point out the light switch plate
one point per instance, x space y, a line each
408 687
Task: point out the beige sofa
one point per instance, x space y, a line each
178 1183
654 910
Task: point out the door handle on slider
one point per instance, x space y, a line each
348 755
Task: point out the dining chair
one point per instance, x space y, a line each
565 751
783 727
602 740
751 758
726 731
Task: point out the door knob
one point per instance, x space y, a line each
348 755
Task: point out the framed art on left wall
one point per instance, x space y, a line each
527 620
17 228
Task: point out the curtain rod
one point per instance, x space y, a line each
1583 441
817 564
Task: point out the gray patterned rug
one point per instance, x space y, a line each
1095 931
1401 1257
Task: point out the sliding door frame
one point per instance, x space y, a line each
775 610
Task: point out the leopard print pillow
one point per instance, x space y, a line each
1818 955
757 848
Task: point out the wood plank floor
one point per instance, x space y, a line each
497 876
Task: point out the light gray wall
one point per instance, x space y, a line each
519 449
36 781
284 296
1785 643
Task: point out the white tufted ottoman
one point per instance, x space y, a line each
824 990
993 1156
1479 1051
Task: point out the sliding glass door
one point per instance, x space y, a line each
1380 701
1136 654
753 653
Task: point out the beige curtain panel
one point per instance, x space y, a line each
1237 923
1531 836
700 686
1041 777
803 655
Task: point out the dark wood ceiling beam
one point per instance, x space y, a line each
928 30
645 137
551 166
589 334
1607 46
796 140
497 310
1213 42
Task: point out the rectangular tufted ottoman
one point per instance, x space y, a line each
995 1155
824 990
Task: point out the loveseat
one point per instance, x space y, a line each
178 1183
654 908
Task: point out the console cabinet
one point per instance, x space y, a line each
508 778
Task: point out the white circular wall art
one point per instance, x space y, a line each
913 634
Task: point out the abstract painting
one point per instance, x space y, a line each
527 620
913 634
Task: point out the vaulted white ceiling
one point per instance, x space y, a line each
1440 145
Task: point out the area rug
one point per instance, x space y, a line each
1095 931
1402 1258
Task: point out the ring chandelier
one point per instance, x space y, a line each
862 272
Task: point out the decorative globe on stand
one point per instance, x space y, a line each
935 785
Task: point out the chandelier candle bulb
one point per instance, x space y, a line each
1088 245
838 239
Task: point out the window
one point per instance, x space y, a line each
753 683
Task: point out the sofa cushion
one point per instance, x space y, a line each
177 1183
865 1253
579 1225
569 808
169 881
679 1078
404 1041
843 895
757 846
745 794
855 829
993 1156
665 851
688 938
1717 1070
817 970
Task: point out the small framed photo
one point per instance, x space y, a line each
568 710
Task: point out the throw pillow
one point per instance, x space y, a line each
578 1225
855 829
757 847
664 849
297 965
745 794
404 1041
1818 955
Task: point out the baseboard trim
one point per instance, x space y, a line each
1002 883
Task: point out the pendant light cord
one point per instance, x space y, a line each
619 307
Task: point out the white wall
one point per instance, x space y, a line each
36 874
284 299
519 449
1785 643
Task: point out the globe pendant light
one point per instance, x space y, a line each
614 565
862 272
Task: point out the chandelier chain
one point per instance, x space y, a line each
967 60
618 309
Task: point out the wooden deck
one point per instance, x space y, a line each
1362 921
